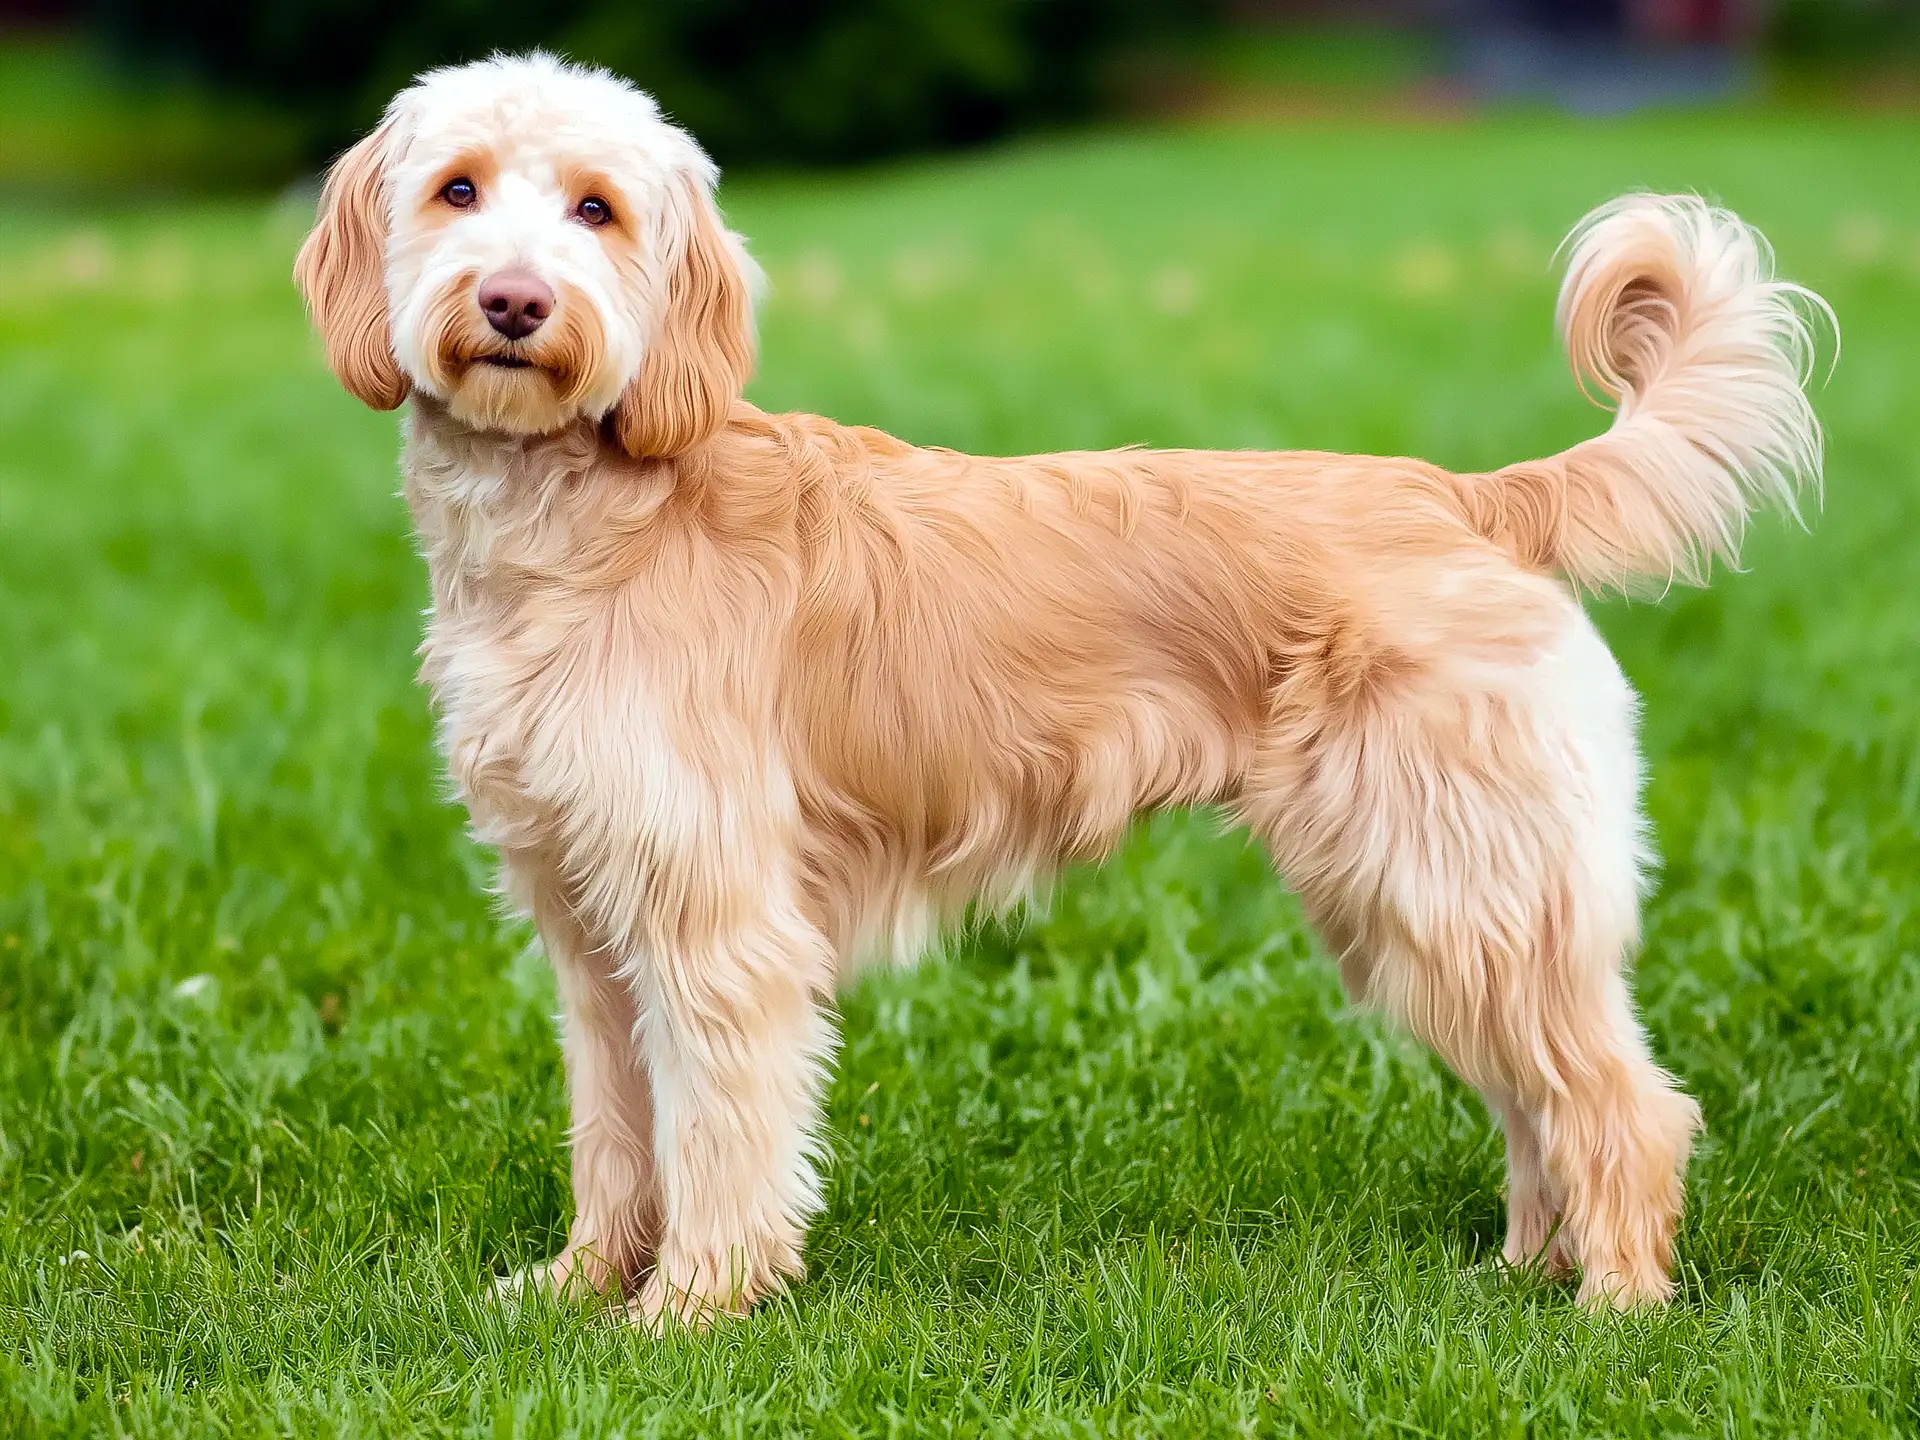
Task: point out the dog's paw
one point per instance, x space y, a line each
1496 1275
1612 1290
661 1306
528 1282
512 1287
570 1275
1551 1259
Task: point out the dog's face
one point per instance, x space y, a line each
532 244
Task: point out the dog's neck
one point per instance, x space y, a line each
493 508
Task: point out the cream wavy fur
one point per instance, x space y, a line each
744 699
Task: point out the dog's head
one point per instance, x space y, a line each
530 243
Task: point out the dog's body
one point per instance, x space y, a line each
745 699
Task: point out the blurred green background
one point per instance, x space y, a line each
185 94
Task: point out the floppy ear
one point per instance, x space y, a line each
702 351
342 273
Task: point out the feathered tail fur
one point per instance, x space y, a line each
1670 310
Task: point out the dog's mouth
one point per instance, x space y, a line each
506 362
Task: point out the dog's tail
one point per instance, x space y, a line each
1670 310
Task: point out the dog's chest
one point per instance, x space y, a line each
494 723
582 717
557 731
509 657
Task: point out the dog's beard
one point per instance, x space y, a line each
526 387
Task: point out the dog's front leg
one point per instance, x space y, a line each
732 994
616 1206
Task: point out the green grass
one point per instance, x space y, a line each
72 123
278 1089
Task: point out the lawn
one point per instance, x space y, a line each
279 1089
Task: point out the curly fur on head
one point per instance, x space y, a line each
654 321
743 700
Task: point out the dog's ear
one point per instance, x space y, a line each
342 273
702 350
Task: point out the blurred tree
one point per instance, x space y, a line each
1844 30
756 80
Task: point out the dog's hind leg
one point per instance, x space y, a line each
1461 823
1534 1203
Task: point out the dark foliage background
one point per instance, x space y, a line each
1845 30
757 80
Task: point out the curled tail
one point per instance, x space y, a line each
1670 310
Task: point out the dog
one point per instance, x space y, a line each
744 700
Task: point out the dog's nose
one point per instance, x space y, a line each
517 303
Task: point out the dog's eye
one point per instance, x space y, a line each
459 193
594 210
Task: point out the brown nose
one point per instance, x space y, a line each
517 303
